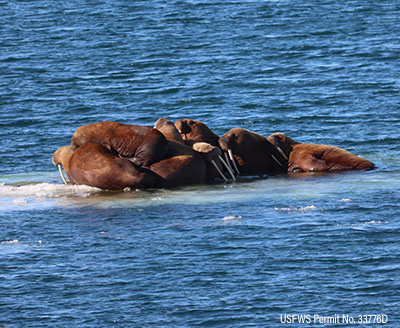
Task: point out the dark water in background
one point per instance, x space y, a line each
231 255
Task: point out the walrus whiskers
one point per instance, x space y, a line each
219 171
233 161
62 174
227 167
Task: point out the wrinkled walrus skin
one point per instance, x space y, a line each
253 153
94 165
195 131
305 157
143 145
183 165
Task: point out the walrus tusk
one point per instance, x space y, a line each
62 174
227 167
219 171
233 160
227 161
276 160
282 153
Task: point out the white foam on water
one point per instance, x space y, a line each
16 246
46 190
33 194
232 217
9 242
296 209
375 222
20 201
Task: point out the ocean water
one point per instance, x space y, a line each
256 253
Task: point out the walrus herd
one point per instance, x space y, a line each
115 156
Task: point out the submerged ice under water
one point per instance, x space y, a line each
292 187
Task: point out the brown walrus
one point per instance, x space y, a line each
181 166
249 152
305 157
167 128
94 165
185 164
193 131
252 153
143 145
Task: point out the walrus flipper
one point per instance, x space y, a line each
307 162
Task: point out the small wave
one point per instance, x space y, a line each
232 218
375 222
9 242
296 209
362 226
15 246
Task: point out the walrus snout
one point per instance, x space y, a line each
161 122
168 129
212 155
183 126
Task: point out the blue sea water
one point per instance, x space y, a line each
254 253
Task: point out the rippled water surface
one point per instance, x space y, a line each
244 254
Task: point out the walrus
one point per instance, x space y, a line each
181 166
187 165
168 129
245 151
94 165
141 144
193 131
305 157
216 165
251 153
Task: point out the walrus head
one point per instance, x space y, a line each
61 157
193 130
282 143
212 155
168 129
